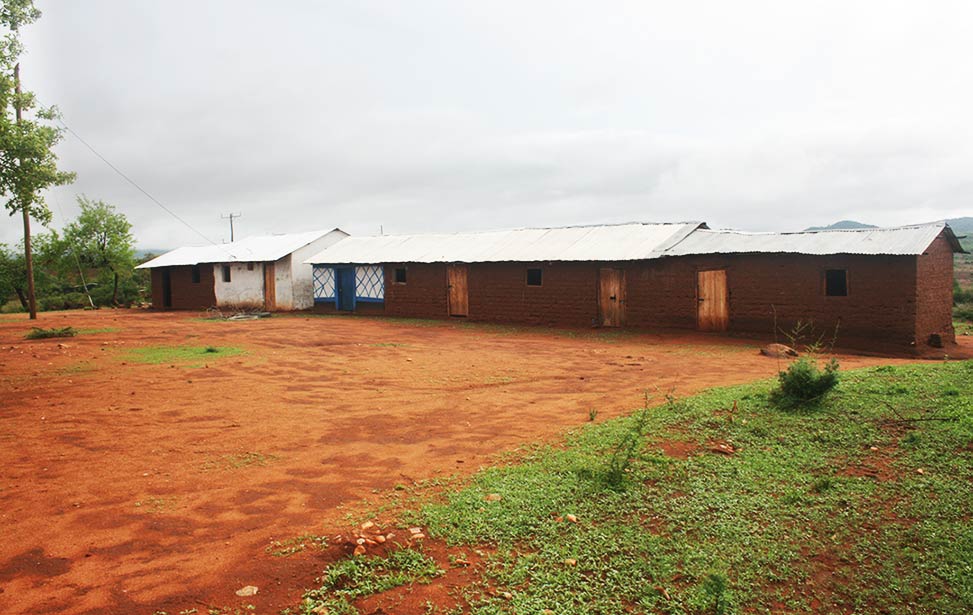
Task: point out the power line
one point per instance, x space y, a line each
137 186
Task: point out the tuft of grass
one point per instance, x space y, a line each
358 576
179 355
99 330
37 333
286 548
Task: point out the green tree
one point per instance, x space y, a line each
13 276
28 164
101 238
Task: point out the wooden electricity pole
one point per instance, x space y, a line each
230 217
28 256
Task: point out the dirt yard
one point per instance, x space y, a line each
132 488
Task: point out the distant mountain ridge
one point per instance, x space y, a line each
841 225
960 226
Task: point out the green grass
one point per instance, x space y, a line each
803 518
963 328
37 333
188 356
99 330
348 579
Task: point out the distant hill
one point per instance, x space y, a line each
961 226
841 225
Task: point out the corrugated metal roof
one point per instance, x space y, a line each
251 249
613 242
902 240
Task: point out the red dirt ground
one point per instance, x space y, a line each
118 487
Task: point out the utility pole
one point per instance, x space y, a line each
230 218
28 256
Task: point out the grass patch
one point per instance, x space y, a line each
860 504
99 330
963 328
174 355
390 345
348 579
37 333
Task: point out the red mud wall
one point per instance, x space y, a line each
879 309
567 296
934 293
186 295
422 296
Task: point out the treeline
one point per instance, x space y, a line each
89 263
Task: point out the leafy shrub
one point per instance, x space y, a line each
36 333
961 295
963 311
804 381
12 307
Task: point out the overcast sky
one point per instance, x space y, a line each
447 115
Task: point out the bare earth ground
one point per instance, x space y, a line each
131 488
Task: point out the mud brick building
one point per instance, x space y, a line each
258 272
872 288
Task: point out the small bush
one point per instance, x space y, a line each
961 295
12 307
36 333
963 311
804 381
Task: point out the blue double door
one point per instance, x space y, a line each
345 286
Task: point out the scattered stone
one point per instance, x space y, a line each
493 497
507 595
415 530
571 561
920 471
359 550
360 541
723 448
380 539
417 536
249 590
778 351
571 518
873 448
367 525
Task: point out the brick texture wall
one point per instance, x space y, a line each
934 293
422 296
186 295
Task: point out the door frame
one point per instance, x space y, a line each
166 288
339 274
270 286
457 267
619 298
725 319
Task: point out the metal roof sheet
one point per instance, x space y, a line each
613 242
252 249
902 240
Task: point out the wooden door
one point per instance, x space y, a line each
458 290
611 297
713 311
270 287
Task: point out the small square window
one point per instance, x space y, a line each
836 283
400 275
249 266
195 274
534 277
226 273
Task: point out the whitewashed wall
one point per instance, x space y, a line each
245 288
301 285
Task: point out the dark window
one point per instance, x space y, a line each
249 266
195 274
836 283
400 275
534 277
226 273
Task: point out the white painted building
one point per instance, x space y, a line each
266 272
